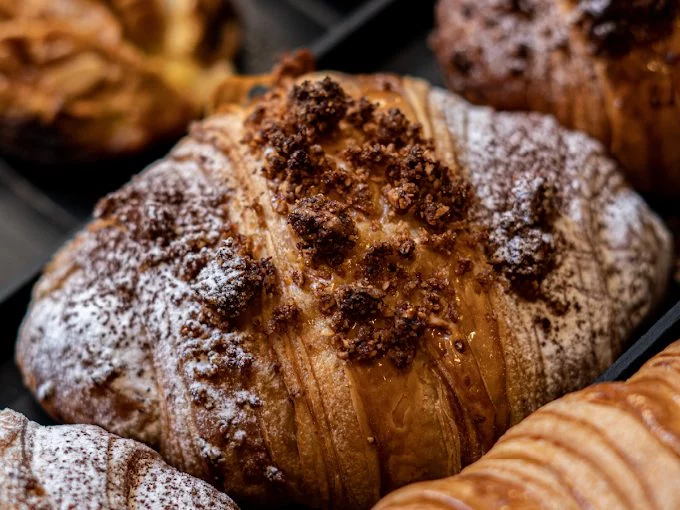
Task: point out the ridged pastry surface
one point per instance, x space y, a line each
83 466
350 284
614 445
608 68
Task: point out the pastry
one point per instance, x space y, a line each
609 68
83 466
613 445
345 285
84 79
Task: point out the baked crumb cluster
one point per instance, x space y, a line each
319 140
334 164
333 161
191 230
524 244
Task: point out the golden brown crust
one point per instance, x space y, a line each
610 69
81 79
609 446
347 285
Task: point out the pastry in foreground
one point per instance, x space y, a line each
614 445
83 466
609 68
352 283
84 79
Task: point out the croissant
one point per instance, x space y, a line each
609 68
83 79
82 466
612 445
346 285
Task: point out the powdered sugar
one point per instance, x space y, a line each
82 466
542 187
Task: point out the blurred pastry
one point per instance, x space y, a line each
610 68
84 79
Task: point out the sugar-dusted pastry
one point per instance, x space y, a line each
349 284
83 466
610 68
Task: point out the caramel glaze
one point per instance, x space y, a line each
298 331
602 447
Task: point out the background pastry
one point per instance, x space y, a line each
82 79
609 68
609 446
82 466
350 284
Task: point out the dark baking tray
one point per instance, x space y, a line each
351 36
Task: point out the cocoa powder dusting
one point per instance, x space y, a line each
230 281
523 245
